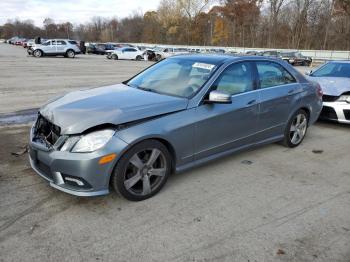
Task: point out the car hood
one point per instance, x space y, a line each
78 111
333 86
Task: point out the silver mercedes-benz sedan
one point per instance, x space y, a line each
178 113
334 79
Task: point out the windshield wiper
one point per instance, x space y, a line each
148 89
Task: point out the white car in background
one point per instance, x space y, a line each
334 79
162 53
126 53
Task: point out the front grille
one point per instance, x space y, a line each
45 131
327 98
328 113
347 114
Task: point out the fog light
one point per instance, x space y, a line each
77 181
106 159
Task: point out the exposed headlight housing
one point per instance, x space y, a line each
89 142
344 98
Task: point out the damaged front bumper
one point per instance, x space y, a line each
78 174
336 111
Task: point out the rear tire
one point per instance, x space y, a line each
142 171
70 54
114 57
138 58
296 129
38 53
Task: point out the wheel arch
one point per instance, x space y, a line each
160 139
38 49
307 110
70 49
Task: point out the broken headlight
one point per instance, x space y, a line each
89 142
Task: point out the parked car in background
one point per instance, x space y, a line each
127 53
162 53
252 52
149 54
19 41
28 43
99 49
296 58
177 114
334 78
54 47
274 54
12 40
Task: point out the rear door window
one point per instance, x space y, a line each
60 42
272 74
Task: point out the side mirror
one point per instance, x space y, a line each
219 97
308 73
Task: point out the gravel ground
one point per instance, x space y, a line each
267 204
28 82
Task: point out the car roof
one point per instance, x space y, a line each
220 58
340 61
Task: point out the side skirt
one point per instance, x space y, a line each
205 160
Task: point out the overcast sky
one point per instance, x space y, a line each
75 11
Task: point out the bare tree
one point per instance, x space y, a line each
275 9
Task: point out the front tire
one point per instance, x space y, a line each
138 58
142 171
296 129
114 57
38 53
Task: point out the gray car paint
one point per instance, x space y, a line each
78 111
194 131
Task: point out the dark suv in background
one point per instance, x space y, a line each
296 58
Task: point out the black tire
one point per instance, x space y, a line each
158 57
38 53
114 57
70 53
289 133
124 170
138 58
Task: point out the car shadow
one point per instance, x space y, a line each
331 124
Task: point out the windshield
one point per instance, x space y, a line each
333 70
181 77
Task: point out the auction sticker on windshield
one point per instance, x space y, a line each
203 66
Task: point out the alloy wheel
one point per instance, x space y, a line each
145 172
298 128
37 53
70 54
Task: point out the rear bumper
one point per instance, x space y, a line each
336 111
